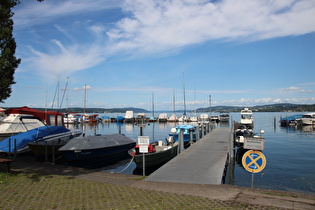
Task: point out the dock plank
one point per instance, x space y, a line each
201 163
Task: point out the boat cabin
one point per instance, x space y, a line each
48 117
247 118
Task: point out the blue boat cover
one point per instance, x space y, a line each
293 117
29 136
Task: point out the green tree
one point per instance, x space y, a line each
8 62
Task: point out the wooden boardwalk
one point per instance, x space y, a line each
201 163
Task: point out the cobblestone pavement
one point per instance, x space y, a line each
39 185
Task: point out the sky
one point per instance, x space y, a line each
140 53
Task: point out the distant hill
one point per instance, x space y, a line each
283 107
95 110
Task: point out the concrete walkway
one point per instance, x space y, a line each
201 163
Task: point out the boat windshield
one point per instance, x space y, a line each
246 116
307 116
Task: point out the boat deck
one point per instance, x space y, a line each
201 163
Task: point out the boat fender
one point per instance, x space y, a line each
151 148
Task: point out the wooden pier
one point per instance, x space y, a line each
202 163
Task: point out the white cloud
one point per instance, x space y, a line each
156 26
66 59
297 89
86 87
30 13
153 27
264 101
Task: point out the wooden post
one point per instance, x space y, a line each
9 147
53 153
14 149
46 152
197 133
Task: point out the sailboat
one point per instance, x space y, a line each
184 117
194 118
152 119
88 117
173 118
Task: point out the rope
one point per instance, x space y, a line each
126 166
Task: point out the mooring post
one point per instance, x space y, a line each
202 130
181 140
208 127
197 132
141 131
53 153
191 135
46 155
14 149
143 164
9 147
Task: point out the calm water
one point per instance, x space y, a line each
290 152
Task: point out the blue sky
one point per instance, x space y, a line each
242 53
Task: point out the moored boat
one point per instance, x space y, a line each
119 119
214 118
247 118
129 117
189 133
19 120
290 120
159 154
162 117
308 119
141 118
19 142
241 132
49 145
204 117
71 118
96 151
173 118
224 117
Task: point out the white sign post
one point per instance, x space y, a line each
143 142
254 143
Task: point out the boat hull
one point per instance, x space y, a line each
94 158
154 159
51 146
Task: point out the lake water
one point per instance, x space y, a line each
289 151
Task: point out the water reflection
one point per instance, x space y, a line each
295 128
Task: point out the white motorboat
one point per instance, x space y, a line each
247 118
308 119
204 117
162 117
19 120
129 117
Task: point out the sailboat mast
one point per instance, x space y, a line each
84 98
210 105
173 101
153 105
184 95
